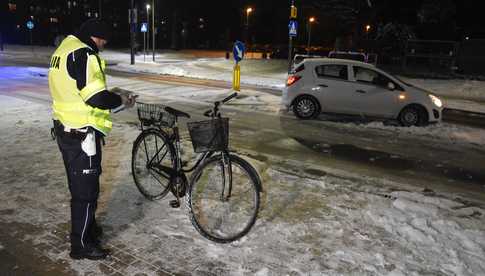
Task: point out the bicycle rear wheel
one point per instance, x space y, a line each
215 215
152 162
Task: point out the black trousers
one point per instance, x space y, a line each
83 180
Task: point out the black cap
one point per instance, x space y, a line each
96 28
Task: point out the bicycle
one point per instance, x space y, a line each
223 194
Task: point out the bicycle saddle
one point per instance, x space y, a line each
176 113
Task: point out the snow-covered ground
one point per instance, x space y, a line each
310 223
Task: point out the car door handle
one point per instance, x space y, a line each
360 91
323 85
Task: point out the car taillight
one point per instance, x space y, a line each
292 79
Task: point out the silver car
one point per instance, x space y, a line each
357 88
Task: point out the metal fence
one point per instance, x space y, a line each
434 55
471 57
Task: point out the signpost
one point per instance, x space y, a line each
292 32
30 25
132 20
153 30
144 29
238 52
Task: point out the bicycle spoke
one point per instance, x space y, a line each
156 155
156 178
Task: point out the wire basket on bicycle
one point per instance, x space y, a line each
154 114
209 135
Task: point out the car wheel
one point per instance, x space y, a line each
306 107
411 116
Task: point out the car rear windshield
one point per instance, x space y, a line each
300 68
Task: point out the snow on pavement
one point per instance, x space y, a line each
308 225
441 132
205 69
456 88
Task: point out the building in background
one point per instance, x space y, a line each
216 24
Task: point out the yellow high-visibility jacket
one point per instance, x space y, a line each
69 103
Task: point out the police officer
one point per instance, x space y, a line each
81 110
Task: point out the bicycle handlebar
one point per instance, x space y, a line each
208 113
229 98
215 111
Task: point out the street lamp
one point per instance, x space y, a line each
311 20
248 11
367 29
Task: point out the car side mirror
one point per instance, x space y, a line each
391 86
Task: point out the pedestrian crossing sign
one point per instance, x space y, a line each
144 27
293 28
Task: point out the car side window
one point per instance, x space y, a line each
332 71
369 76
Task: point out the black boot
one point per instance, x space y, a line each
91 252
95 234
97 231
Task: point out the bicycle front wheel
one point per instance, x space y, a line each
223 210
152 163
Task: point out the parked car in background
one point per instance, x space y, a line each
348 55
357 88
299 58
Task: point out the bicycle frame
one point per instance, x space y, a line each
179 166
175 139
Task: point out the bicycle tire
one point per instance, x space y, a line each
204 190
151 183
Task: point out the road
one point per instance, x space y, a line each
449 115
332 144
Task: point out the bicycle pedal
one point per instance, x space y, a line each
174 203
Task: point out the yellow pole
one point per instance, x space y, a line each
236 78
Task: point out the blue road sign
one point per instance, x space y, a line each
30 25
293 28
144 27
238 51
